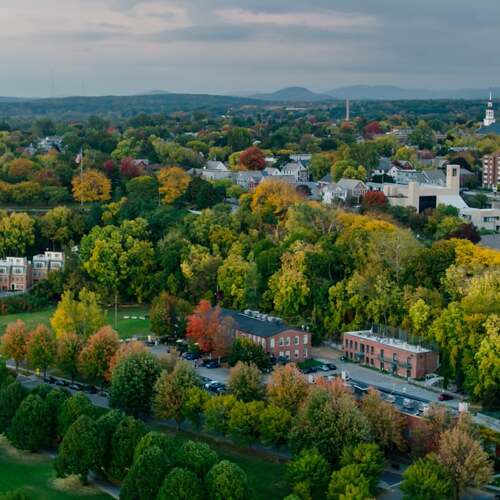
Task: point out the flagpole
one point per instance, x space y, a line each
81 176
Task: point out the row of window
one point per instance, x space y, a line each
296 354
351 344
286 341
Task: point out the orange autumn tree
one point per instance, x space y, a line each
203 325
124 351
91 186
14 341
274 196
173 183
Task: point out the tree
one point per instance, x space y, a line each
167 444
246 351
69 347
14 342
82 317
287 388
245 382
91 186
146 475
203 325
328 422
17 233
171 391
128 433
463 459
238 139
244 420
197 456
125 350
311 469
181 484
374 199
227 481
274 197
253 158
61 224
72 408
133 382
11 397
193 405
41 348
426 479
370 459
386 423
30 427
97 353
275 423
168 315
320 165
81 449
348 483
217 413
107 425
173 183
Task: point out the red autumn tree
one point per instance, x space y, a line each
130 169
371 129
203 325
374 199
253 158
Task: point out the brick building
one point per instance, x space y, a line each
15 274
491 170
390 355
45 263
276 337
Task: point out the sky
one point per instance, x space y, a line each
97 47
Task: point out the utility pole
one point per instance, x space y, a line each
81 177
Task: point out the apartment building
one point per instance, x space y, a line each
15 274
45 263
491 170
276 337
388 354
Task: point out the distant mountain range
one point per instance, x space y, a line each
372 92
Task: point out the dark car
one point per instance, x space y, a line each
61 382
211 363
331 366
190 356
104 394
90 389
445 397
50 380
76 387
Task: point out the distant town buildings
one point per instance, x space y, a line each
17 274
284 342
491 170
389 354
490 126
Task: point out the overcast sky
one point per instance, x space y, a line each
91 47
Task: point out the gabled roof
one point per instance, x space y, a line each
326 178
293 167
351 184
493 129
215 165
384 164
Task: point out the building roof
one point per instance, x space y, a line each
493 129
384 164
326 178
248 322
351 184
388 341
293 167
435 176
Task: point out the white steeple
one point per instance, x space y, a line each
489 119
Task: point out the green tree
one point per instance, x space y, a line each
61 225
80 450
181 484
227 481
146 475
244 420
69 347
72 408
132 383
11 397
245 351
245 382
310 469
193 405
168 315
167 444
30 427
41 348
197 456
239 139
171 391
370 459
217 412
17 233
275 423
343 482
128 433
320 166
107 425
426 479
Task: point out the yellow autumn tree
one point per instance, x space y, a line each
276 196
173 183
91 186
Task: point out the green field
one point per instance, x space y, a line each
35 475
267 479
126 327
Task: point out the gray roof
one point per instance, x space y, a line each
326 178
350 184
294 167
435 177
493 129
255 326
384 164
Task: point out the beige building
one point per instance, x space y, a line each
15 274
45 263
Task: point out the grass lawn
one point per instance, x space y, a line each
126 327
267 479
35 475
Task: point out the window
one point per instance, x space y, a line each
287 354
272 344
355 346
305 352
296 340
362 347
288 341
296 353
394 357
372 349
382 353
351 344
371 361
282 354
305 339
282 341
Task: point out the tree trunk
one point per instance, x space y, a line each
116 311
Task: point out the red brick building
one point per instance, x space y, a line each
276 337
15 274
390 355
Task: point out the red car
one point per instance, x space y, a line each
445 397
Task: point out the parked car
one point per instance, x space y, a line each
210 363
408 403
75 387
445 397
90 389
61 382
331 366
205 380
324 368
216 387
50 380
104 394
190 356
390 398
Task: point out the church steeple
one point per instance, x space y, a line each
489 119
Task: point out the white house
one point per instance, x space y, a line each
297 169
